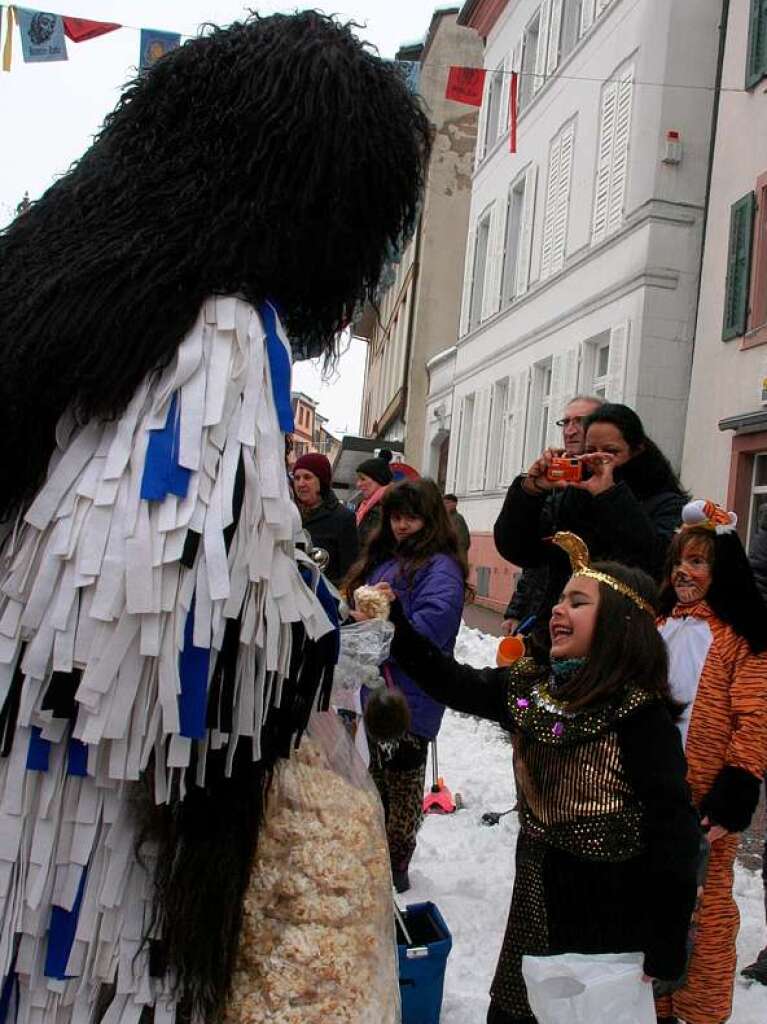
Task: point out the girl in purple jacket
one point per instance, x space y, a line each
416 552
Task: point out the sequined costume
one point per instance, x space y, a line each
725 733
605 859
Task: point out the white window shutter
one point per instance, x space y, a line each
562 205
620 156
569 379
494 261
587 15
506 420
543 42
503 115
468 280
601 5
482 124
555 33
616 363
550 207
553 432
452 482
526 232
517 448
479 445
604 161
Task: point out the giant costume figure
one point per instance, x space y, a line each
160 644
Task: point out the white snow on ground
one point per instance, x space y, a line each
467 869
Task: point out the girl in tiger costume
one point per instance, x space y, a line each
716 633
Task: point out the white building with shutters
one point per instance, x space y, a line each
583 255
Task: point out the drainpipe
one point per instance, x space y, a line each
712 147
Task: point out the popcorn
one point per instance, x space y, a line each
317 943
371 602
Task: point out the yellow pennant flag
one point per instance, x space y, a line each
8 48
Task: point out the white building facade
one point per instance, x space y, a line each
725 455
583 254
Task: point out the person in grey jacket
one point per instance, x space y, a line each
626 511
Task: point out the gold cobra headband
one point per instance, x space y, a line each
578 554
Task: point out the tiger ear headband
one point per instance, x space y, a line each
709 515
580 562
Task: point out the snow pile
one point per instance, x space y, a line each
467 869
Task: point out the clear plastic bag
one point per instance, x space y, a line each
318 941
593 988
364 646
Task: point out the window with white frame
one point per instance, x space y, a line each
758 494
481 245
501 409
494 104
540 409
529 62
596 365
466 440
511 255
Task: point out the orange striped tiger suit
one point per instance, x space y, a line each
727 727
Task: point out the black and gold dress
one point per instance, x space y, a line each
607 848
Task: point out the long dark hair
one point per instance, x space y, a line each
420 498
733 595
626 647
648 471
276 159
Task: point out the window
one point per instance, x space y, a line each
529 61
603 363
600 373
756 66
757 318
758 493
501 410
738 267
556 210
613 154
572 11
511 254
480 267
540 409
495 92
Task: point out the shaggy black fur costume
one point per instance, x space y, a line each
277 159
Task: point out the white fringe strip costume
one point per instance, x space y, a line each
110 622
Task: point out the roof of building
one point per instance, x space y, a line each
296 396
481 14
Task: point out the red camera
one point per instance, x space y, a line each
565 470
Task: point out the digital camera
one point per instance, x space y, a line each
565 470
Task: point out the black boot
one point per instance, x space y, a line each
668 1020
757 971
401 880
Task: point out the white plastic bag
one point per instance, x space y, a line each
582 988
364 646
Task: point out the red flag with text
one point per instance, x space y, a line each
466 85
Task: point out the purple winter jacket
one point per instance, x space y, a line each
433 604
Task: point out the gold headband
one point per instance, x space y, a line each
578 554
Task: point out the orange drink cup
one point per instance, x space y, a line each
510 649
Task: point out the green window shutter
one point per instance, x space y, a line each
738 267
756 67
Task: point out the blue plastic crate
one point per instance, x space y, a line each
422 964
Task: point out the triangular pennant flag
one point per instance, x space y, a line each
155 44
81 29
513 112
466 85
411 72
42 36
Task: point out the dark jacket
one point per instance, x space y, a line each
433 603
461 530
633 522
757 556
369 524
332 526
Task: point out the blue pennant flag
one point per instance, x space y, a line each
42 36
155 44
411 72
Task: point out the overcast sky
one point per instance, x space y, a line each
49 113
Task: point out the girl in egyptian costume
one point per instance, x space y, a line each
162 640
608 841
716 632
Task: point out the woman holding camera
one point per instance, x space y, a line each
608 840
624 500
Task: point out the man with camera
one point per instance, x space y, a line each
531 587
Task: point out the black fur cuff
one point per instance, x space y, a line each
732 799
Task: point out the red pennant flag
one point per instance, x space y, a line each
466 85
80 29
513 112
